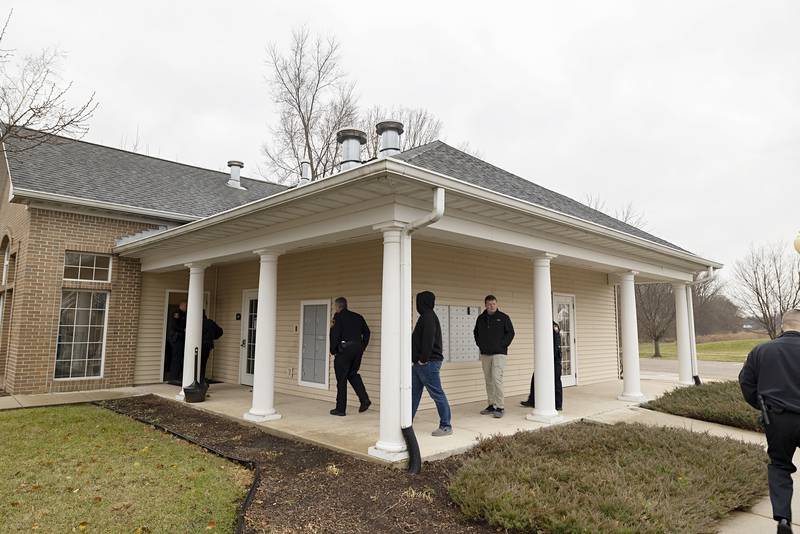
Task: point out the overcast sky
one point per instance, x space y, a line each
689 110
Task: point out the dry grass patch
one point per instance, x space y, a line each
716 402
593 478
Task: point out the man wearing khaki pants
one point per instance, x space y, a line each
493 334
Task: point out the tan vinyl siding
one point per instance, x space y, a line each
457 276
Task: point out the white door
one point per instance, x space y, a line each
247 356
314 343
564 315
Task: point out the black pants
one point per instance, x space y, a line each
559 388
346 364
176 359
783 437
204 355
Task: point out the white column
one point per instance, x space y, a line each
543 356
406 329
194 325
682 334
263 408
692 335
629 338
390 445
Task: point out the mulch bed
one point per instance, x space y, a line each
305 488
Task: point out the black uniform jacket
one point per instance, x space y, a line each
348 326
493 333
772 369
556 343
426 341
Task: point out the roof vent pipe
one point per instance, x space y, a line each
350 141
305 172
235 180
389 133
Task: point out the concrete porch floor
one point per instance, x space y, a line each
308 420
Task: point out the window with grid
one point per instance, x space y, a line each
82 266
81 331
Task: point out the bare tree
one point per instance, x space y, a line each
33 100
419 126
767 284
655 311
627 214
315 100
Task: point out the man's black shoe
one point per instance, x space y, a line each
489 410
526 403
784 527
337 412
364 406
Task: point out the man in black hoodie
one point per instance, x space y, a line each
426 343
770 382
493 334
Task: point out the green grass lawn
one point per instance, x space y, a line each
722 351
82 468
717 402
593 478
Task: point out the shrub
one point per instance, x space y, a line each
592 478
716 402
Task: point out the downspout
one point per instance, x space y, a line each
703 277
414 458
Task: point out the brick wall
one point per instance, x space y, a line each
38 288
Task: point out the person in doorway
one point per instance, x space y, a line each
427 358
531 402
177 341
349 337
493 334
211 332
770 382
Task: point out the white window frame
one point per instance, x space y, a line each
105 336
110 266
6 262
574 340
300 381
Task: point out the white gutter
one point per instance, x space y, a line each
101 204
436 213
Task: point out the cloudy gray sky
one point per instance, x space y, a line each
689 110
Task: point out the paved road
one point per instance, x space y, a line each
708 369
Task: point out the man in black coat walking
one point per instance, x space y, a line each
349 337
493 334
770 382
531 402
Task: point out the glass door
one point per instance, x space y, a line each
247 358
564 315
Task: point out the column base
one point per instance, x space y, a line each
258 417
632 397
547 418
380 451
180 396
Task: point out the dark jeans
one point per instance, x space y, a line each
427 377
559 388
346 363
176 359
783 437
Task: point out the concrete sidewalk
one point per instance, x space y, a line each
54 399
658 369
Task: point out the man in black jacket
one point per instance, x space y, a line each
349 338
493 334
556 367
211 332
176 335
770 382
427 358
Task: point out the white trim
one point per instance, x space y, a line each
300 381
573 332
110 266
165 321
105 336
101 204
247 295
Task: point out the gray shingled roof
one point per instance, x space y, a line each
95 172
442 158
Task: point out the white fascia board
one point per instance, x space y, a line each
100 204
435 179
296 193
280 237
